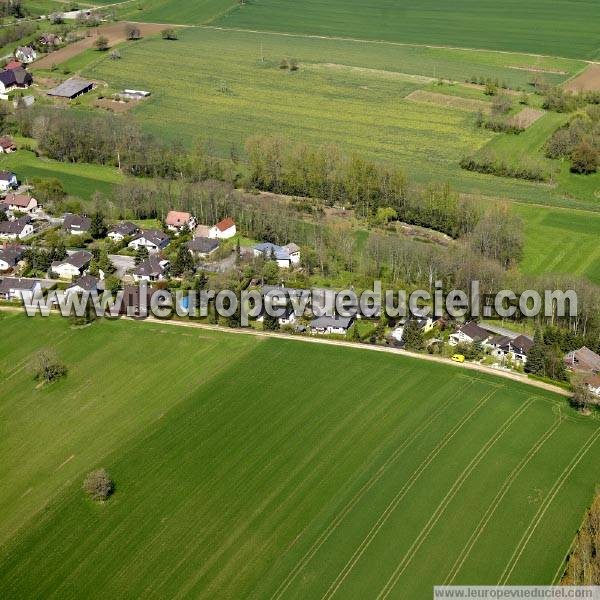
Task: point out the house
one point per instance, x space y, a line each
176 221
71 88
10 256
583 360
12 288
515 349
285 256
18 229
152 269
20 203
223 230
135 301
425 324
13 64
8 180
469 333
50 39
76 225
593 384
151 239
202 247
120 231
73 265
336 324
25 54
12 78
7 145
87 283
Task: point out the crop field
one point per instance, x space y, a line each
561 241
80 180
347 93
561 28
277 469
183 12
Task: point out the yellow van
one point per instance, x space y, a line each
458 358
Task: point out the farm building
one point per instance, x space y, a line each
134 94
72 88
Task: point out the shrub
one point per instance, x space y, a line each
98 485
47 368
169 34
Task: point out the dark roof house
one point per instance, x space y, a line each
202 245
76 223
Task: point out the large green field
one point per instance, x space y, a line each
275 469
345 92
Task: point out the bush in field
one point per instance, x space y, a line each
101 43
585 158
47 367
169 34
132 32
98 485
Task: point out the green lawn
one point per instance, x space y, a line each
560 28
79 179
275 469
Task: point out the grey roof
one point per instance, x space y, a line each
22 77
336 321
12 254
76 222
124 228
292 248
16 226
26 51
78 259
268 249
151 267
14 283
158 238
202 245
476 333
521 344
70 88
584 359
87 283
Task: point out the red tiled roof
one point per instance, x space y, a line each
17 200
177 219
13 64
225 224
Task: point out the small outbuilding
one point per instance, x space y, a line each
71 88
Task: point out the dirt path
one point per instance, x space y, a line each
115 33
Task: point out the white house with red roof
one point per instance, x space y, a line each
223 230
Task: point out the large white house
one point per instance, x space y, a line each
19 229
223 230
328 325
73 266
152 239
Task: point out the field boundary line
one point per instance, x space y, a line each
393 504
443 505
465 551
552 492
334 524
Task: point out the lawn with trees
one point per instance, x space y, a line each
160 471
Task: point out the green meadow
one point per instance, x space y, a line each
348 93
78 179
268 468
560 28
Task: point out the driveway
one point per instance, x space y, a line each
122 264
